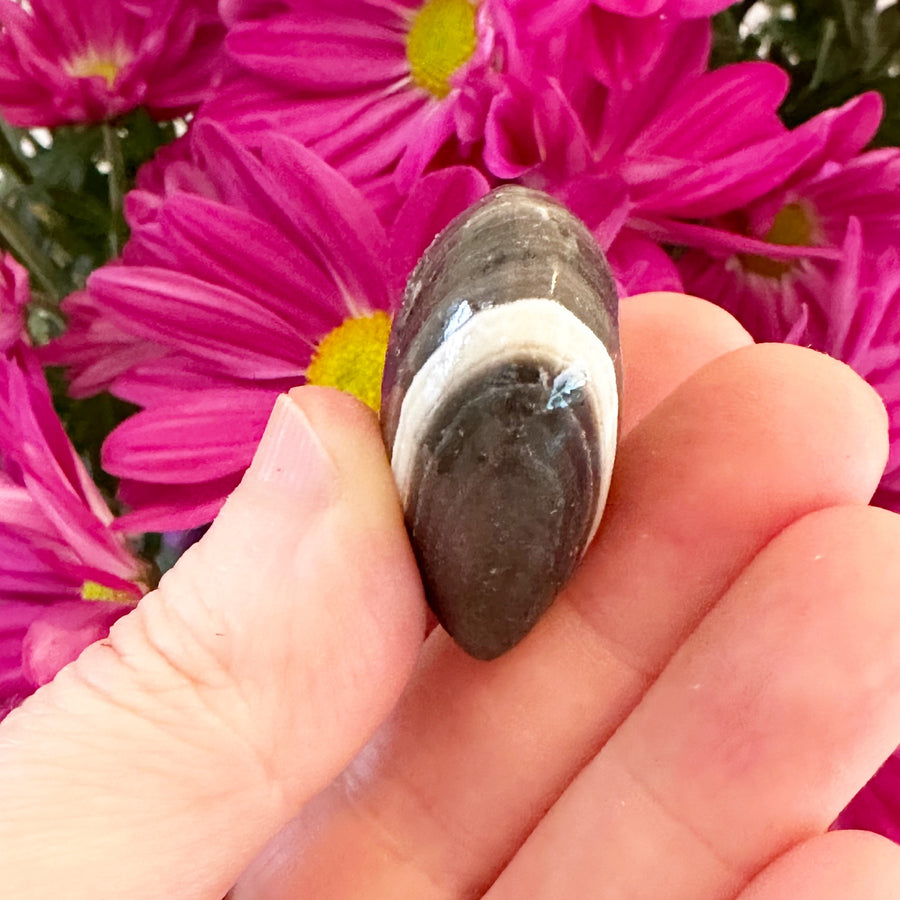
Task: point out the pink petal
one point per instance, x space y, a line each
722 242
370 135
845 130
192 439
225 246
534 126
640 265
233 333
337 221
433 203
322 53
721 112
717 186
630 53
166 507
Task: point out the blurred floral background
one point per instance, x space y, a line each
205 203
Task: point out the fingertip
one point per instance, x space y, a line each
672 306
831 866
330 409
845 416
666 337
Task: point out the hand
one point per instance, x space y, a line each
718 680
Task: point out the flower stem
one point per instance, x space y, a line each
829 33
112 149
876 68
35 260
10 159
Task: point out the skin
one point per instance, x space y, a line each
714 685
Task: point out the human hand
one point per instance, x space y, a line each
718 680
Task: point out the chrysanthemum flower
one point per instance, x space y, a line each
71 61
813 202
692 142
65 576
686 141
765 260
849 309
774 262
262 271
762 249
369 85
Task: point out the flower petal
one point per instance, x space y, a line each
199 437
432 204
321 52
239 337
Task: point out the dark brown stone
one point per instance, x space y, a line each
499 409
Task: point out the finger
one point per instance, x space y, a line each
159 762
475 752
762 727
666 337
840 865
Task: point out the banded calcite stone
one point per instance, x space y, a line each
500 406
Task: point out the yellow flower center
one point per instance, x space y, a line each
793 226
442 37
351 357
93 590
95 64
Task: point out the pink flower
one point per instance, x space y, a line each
679 139
65 576
849 309
373 86
65 61
686 141
261 270
759 258
691 142
813 260
813 201
770 259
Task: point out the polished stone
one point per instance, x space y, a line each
500 409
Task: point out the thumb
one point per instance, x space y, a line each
162 759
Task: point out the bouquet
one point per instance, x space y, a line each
204 204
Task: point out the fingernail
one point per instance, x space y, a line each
291 456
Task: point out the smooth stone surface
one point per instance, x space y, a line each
500 411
